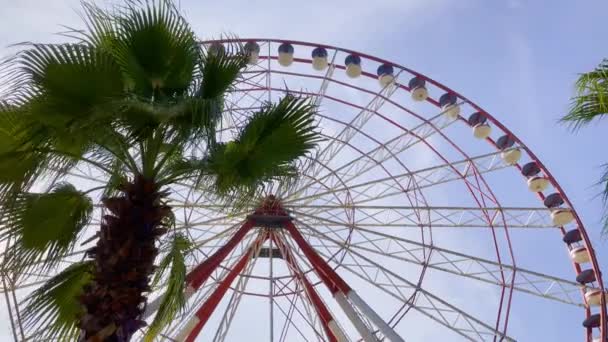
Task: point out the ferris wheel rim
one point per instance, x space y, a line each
580 226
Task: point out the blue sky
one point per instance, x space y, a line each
518 59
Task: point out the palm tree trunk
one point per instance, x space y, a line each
124 260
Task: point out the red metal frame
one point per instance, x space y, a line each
197 277
205 311
330 278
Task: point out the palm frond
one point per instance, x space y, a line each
53 309
60 97
18 168
198 119
266 149
116 181
221 69
591 100
151 41
45 226
202 109
173 300
187 118
182 169
100 26
66 82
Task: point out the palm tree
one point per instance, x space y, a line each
591 103
134 97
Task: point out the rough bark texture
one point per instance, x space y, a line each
124 260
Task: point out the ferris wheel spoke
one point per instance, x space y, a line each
199 275
367 161
203 294
332 330
303 311
326 80
81 175
333 148
426 302
210 221
294 296
288 319
438 216
26 280
64 259
254 100
461 264
261 82
235 300
208 235
338 177
251 76
306 316
348 300
385 187
237 116
200 243
191 302
377 278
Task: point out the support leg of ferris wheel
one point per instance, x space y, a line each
332 329
194 326
342 291
201 273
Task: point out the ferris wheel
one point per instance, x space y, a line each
420 217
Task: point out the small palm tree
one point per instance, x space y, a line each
135 97
589 104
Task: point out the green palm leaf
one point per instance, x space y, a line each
173 300
267 148
53 309
151 41
18 168
61 92
68 82
202 109
45 226
187 118
220 70
591 100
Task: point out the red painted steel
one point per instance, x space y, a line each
205 311
331 279
201 273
